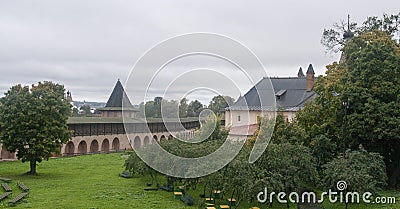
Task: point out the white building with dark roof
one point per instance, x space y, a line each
289 95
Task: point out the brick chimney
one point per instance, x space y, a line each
310 78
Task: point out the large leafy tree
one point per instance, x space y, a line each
325 115
183 106
220 102
372 91
33 121
287 166
194 108
359 101
358 175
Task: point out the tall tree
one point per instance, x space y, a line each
359 101
325 115
371 90
194 108
33 121
220 102
86 109
150 110
183 107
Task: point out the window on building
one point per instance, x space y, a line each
238 117
286 118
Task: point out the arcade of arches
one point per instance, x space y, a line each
108 131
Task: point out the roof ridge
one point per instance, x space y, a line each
288 77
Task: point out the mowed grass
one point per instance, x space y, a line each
89 181
92 182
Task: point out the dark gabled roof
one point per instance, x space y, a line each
118 98
300 73
310 69
287 94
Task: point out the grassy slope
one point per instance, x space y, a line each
92 182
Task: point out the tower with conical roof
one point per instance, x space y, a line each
310 78
118 104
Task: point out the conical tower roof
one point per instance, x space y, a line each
310 69
300 73
118 97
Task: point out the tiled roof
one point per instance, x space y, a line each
269 94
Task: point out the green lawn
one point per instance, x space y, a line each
83 182
92 182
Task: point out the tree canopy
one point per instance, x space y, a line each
220 102
358 100
33 121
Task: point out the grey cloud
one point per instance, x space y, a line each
88 45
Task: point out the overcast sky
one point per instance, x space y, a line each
88 45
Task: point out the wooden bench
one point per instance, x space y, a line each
6 187
18 198
167 187
177 195
5 180
232 202
217 194
224 206
188 200
180 189
209 204
3 196
23 187
125 174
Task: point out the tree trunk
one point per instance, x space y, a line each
394 177
33 167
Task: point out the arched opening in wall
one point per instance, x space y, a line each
146 140
105 146
56 154
69 148
136 142
82 147
162 138
94 146
5 154
170 137
115 144
155 137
